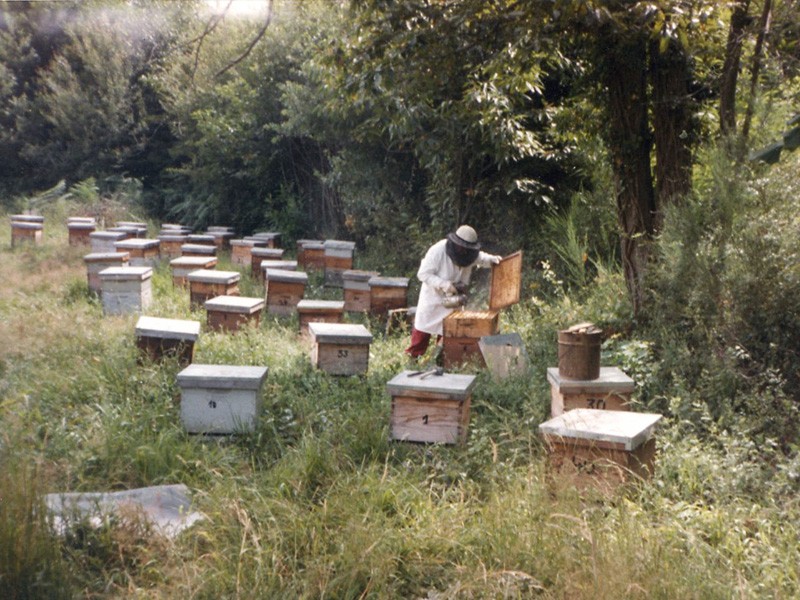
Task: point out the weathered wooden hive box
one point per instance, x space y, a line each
183 265
220 398
103 241
175 228
600 448
273 256
464 328
273 238
171 243
198 250
130 231
284 290
202 239
126 289
26 232
387 293
319 311
356 289
340 348
311 254
430 408
222 236
611 391
143 252
157 337
338 259
100 261
78 230
205 284
230 313
241 251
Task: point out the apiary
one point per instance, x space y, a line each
356 289
340 348
430 407
259 255
183 265
157 337
103 241
126 289
220 398
202 239
610 391
311 254
600 448
338 259
273 238
101 261
222 236
284 290
241 251
143 252
205 284
387 293
463 329
78 230
171 243
26 232
198 250
319 311
230 313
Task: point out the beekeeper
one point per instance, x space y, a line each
444 271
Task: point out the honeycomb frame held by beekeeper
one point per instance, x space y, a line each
444 271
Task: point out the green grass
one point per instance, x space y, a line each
317 502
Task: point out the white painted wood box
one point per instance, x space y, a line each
387 293
272 256
230 313
183 265
100 261
284 290
157 337
144 252
338 259
319 311
610 391
126 289
198 250
430 408
205 284
221 398
340 348
102 242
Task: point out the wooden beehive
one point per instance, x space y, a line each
272 256
356 289
23 218
241 251
430 408
157 337
221 398
319 311
599 448
231 313
311 254
284 290
205 284
175 229
610 391
202 239
338 259
198 250
78 229
143 252
222 237
171 244
463 329
340 348
130 231
102 242
183 265
126 289
387 293
25 232
273 238
101 261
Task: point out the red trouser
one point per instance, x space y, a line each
419 342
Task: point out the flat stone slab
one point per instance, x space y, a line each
230 377
211 276
168 329
320 305
399 282
630 429
126 273
235 304
339 333
457 386
280 275
611 379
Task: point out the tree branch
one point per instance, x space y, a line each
252 43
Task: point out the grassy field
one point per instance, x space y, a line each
317 502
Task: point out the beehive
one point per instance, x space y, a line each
201 239
610 391
356 289
338 259
230 313
319 311
126 289
101 261
222 236
221 398
183 265
284 290
340 348
430 408
102 242
205 284
599 448
175 229
157 337
143 252
136 224
387 293
130 231
198 250
26 232
260 254
311 254
241 251
171 244
273 238
463 328
78 229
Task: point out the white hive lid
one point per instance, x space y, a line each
630 429
611 379
389 282
339 333
126 273
320 305
358 275
235 304
269 253
137 243
107 235
193 261
228 377
106 257
339 245
283 275
457 385
211 276
173 329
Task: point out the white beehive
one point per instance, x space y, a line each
103 241
100 261
610 391
126 289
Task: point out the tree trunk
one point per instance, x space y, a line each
763 29
730 69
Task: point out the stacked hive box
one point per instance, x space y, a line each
205 284
79 229
126 289
130 231
157 338
100 261
284 290
231 313
262 257
338 259
357 290
610 391
102 242
272 238
339 348
171 243
198 250
318 311
143 252
222 236
183 265
387 293
241 251
201 239
311 254
26 229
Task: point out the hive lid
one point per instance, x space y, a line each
358 275
172 237
106 257
611 379
285 276
506 282
126 273
250 243
630 429
389 281
229 377
339 333
194 261
199 248
219 229
269 253
108 235
213 276
27 218
235 304
339 245
138 243
312 245
201 237
137 224
172 329
320 305
27 225
91 225
266 235
284 265
456 385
